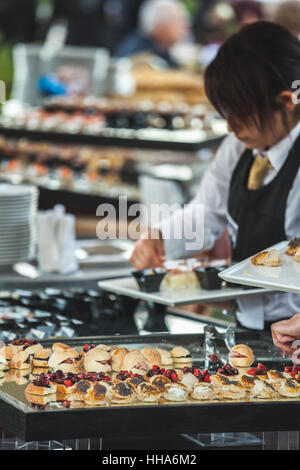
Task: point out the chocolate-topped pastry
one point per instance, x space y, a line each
122 393
98 394
147 392
248 381
275 378
160 382
134 382
289 388
79 390
292 246
228 388
263 389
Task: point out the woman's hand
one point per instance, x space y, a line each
285 332
148 252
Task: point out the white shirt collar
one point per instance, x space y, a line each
279 152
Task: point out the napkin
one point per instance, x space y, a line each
56 241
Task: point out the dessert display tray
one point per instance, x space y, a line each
17 415
102 140
282 278
128 286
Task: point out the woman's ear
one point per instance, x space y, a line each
287 99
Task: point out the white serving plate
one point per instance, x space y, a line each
106 252
282 278
128 286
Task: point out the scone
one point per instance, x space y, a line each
152 356
166 358
65 360
117 357
269 258
189 380
135 362
97 360
21 360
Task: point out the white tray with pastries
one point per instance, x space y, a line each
127 286
277 268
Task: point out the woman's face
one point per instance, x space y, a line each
253 137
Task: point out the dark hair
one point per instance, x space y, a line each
251 69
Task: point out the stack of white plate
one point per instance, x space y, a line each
18 223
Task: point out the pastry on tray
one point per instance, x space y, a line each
122 393
297 255
27 345
160 382
241 356
204 391
21 360
275 378
289 388
269 258
60 346
3 361
226 388
181 355
79 390
262 389
40 400
135 362
175 392
41 386
98 394
248 381
152 356
41 358
292 246
134 382
165 356
189 380
147 392
97 360
65 360
117 357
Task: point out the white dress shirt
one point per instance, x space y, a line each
213 197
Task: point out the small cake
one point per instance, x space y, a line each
41 358
204 391
97 360
175 392
166 358
262 389
41 386
147 392
292 246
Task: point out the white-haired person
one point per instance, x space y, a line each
162 24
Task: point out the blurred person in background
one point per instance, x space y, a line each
162 24
17 20
247 11
97 23
287 14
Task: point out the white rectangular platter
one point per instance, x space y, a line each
127 286
284 278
